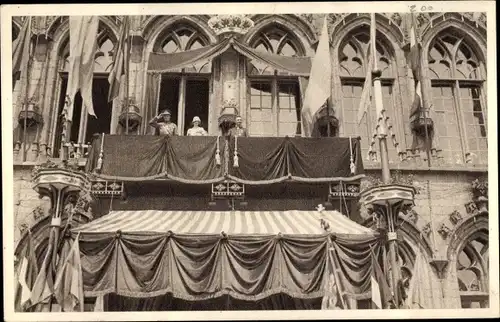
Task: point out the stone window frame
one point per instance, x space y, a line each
471 228
456 83
260 38
356 78
201 71
106 31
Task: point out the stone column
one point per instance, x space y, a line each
133 81
226 81
34 94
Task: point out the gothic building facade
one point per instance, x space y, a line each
450 218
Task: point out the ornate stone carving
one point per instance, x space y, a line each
40 24
396 18
30 114
480 193
455 217
444 231
237 24
471 208
307 17
397 178
130 114
427 229
480 187
440 264
411 216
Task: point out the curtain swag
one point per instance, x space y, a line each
193 159
164 62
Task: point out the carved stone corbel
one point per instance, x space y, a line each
455 217
440 264
444 231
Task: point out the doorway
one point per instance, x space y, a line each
196 102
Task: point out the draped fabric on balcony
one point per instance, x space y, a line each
193 159
150 253
164 62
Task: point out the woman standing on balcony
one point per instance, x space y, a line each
163 124
197 130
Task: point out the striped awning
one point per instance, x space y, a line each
230 222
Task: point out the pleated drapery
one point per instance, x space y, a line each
193 159
202 267
165 62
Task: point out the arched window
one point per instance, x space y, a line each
274 96
84 125
353 60
457 76
185 92
472 271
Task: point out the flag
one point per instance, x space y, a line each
366 94
319 87
414 61
99 304
21 49
381 292
416 294
28 270
41 295
68 288
83 46
120 62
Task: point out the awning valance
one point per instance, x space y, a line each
164 62
193 159
230 222
132 254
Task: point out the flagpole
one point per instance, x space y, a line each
127 75
26 93
423 96
328 100
384 155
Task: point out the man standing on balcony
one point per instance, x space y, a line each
163 124
239 130
197 130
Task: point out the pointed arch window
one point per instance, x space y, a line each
84 126
457 77
274 96
472 271
353 63
185 92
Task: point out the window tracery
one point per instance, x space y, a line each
457 77
353 56
275 96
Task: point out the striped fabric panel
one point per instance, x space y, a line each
231 222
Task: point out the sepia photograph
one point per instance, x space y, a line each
236 161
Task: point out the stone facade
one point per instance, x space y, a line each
444 190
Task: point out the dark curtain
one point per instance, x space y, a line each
167 302
206 267
316 158
193 159
151 104
260 160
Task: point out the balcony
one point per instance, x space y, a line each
205 160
